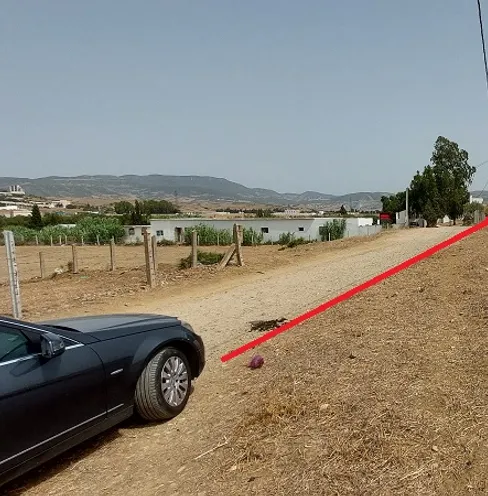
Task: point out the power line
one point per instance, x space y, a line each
483 42
483 190
486 184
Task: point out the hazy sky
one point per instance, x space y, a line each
292 95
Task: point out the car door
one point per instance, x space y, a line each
45 401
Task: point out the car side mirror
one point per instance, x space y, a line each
51 345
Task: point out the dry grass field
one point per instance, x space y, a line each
91 258
384 394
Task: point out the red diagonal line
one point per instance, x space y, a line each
357 289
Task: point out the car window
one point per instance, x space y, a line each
13 344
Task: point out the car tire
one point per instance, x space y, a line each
164 386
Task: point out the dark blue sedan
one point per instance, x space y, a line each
64 381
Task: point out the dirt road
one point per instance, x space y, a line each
222 316
144 460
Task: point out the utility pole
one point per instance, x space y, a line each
407 220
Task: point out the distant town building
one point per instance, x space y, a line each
291 213
53 203
472 199
15 190
13 211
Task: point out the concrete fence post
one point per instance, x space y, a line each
13 274
42 265
194 248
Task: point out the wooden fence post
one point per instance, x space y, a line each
238 242
74 266
154 247
42 265
151 279
112 255
194 249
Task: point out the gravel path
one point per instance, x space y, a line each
223 317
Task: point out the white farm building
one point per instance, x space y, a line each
271 229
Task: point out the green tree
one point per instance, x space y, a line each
158 207
137 217
343 210
394 203
126 210
105 228
443 187
333 230
18 220
425 199
143 209
453 174
123 207
264 213
53 219
35 221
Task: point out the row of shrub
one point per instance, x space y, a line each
203 257
103 229
333 230
210 236
87 230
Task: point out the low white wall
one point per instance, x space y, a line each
133 234
270 228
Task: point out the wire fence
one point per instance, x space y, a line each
56 240
36 262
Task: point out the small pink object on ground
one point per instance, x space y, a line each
256 362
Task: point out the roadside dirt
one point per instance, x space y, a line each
389 399
288 290
95 287
91 258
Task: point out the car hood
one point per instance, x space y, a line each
114 325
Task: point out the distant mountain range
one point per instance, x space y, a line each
192 187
